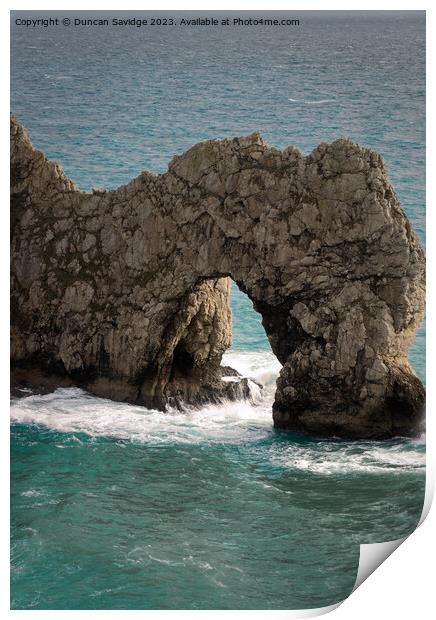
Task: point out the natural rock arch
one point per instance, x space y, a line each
126 291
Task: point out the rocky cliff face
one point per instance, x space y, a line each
126 291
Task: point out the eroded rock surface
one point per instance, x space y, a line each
126 292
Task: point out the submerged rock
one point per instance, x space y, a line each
126 292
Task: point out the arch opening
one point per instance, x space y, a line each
250 352
218 348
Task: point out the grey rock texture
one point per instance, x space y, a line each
126 292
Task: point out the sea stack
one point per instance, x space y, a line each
126 292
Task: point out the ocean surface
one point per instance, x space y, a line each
119 507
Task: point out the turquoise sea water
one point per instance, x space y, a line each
119 507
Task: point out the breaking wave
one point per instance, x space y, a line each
76 413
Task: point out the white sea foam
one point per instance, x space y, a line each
74 411
170 556
31 493
260 366
313 102
349 457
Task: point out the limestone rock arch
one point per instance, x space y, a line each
126 292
